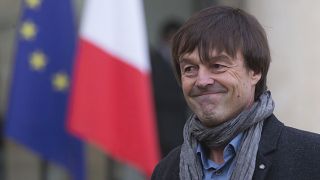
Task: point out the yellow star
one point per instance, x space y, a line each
28 30
60 82
33 3
38 61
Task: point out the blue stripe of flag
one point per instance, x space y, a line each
36 115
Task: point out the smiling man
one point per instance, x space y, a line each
221 59
219 88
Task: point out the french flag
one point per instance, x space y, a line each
111 102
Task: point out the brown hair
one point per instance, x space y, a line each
226 29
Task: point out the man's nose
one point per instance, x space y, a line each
204 78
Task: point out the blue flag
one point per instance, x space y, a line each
36 116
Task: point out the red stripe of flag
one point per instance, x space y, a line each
111 106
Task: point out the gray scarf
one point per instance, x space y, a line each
249 121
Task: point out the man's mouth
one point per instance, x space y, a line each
208 93
195 92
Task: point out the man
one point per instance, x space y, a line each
221 58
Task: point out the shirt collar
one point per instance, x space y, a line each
235 142
234 145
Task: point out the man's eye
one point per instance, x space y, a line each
190 70
218 68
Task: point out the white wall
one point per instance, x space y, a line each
293 29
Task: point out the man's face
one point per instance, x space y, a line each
218 89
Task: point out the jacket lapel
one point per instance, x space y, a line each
268 145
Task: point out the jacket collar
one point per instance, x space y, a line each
271 133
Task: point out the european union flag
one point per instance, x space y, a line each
36 114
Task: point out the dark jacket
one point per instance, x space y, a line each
284 153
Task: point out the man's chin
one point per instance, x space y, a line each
209 120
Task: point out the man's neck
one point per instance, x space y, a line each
216 155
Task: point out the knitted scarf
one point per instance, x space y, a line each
249 121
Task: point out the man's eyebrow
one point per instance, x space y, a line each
184 60
220 57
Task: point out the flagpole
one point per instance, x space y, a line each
44 166
3 173
110 172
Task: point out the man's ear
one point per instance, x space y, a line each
255 77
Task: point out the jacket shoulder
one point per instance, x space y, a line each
303 136
275 133
300 141
168 167
290 153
